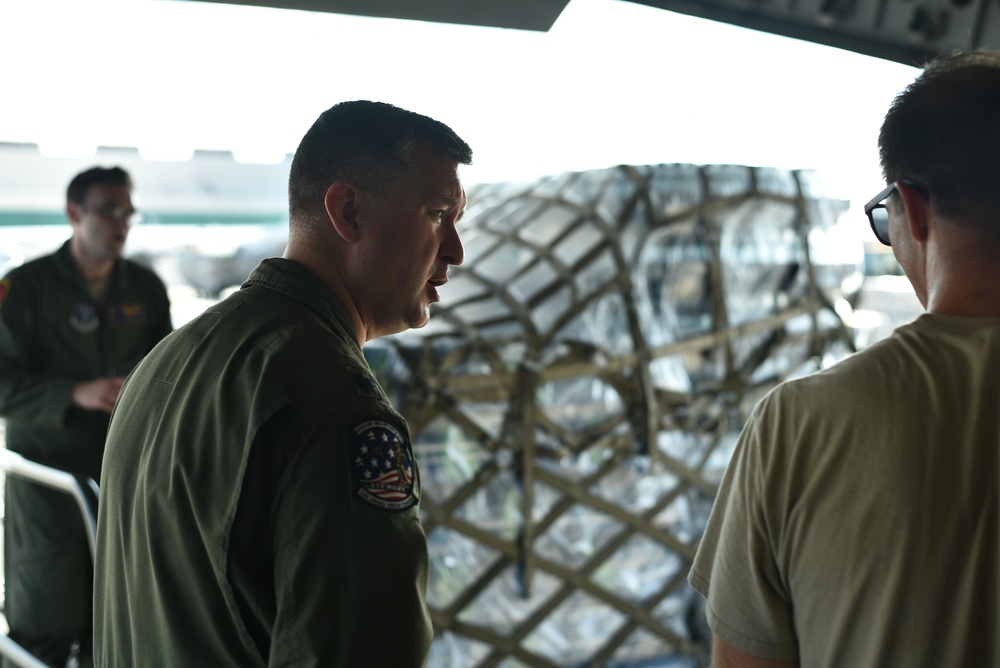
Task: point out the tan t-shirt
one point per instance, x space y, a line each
857 524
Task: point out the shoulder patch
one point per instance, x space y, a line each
4 290
84 318
365 384
382 465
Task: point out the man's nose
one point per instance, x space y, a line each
452 250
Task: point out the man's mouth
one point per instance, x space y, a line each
435 283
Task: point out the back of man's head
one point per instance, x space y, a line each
365 143
76 192
943 131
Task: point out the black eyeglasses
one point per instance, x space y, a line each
115 212
877 214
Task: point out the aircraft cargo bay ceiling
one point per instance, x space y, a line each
905 31
519 14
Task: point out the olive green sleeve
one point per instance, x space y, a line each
35 399
350 575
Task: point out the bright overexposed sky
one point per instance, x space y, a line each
612 82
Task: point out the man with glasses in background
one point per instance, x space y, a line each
858 522
72 325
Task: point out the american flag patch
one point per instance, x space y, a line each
382 466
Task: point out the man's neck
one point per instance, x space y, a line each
965 284
329 273
90 269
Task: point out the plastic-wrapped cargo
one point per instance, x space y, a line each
578 393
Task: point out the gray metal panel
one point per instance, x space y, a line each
520 14
906 31
990 24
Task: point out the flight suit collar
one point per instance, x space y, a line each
118 280
296 282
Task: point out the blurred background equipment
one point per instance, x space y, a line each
576 398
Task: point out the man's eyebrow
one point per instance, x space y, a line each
445 199
450 202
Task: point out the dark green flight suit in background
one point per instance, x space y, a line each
259 505
52 336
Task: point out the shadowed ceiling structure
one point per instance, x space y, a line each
905 31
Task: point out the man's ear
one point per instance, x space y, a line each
341 203
73 212
916 209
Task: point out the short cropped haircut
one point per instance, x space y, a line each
943 130
369 144
78 187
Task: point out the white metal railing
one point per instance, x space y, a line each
83 490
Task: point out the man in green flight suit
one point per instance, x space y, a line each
72 325
259 505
